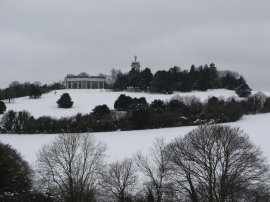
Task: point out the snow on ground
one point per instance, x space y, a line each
123 144
86 99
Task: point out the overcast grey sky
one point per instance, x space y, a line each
43 40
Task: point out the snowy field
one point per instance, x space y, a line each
126 143
85 100
122 143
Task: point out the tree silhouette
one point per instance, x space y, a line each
3 107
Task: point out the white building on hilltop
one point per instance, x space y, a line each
84 81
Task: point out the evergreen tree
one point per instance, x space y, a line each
101 110
266 105
146 78
123 103
243 90
121 81
162 82
65 101
8 120
139 103
230 80
134 79
3 107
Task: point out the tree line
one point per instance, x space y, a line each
136 113
175 79
33 90
210 163
198 78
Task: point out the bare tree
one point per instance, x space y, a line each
119 181
155 168
216 163
70 166
111 79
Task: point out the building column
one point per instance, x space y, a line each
91 85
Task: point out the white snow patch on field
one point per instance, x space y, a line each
123 144
86 99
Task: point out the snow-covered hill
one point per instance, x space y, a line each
85 100
125 143
122 143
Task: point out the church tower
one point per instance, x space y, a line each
135 65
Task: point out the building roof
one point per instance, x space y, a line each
83 75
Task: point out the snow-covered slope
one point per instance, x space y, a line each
85 100
125 143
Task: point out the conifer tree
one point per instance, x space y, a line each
243 90
65 101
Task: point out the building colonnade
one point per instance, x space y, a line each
84 84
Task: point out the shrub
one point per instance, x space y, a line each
65 101
101 110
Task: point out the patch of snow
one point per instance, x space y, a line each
123 144
86 99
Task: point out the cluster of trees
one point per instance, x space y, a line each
33 90
16 178
24 123
210 163
175 79
136 113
